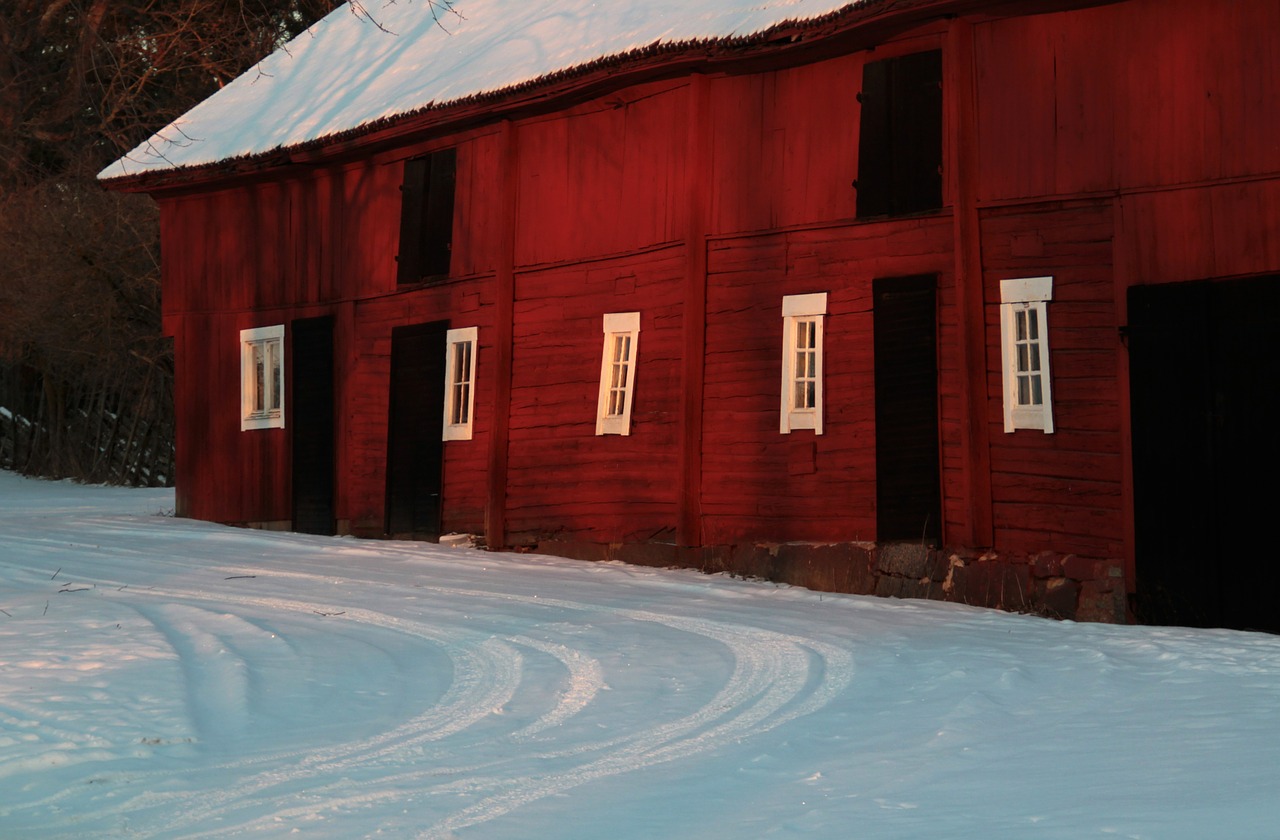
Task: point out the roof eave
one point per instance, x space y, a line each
856 26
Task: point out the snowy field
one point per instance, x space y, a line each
168 678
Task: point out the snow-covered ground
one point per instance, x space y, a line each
168 678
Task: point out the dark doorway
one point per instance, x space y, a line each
1204 378
312 424
414 447
908 495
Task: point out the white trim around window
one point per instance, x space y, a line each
802 327
617 373
460 382
262 378
1024 351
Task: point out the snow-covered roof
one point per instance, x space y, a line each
371 60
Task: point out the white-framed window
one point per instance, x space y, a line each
262 378
1024 349
460 382
802 317
617 373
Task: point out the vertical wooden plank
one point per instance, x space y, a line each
495 529
961 104
697 172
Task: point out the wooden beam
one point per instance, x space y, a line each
697 210
960 95
495 519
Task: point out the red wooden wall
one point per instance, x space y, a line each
1128 143
608 488
762 485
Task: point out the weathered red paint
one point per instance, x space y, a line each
1116 144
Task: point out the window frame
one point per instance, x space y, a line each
617 326
1029 296
809 309
272 415
459 414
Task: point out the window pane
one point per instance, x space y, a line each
1035 356
1033 316
259 377
1037 398
1020 324
277 375
1023 362
462 361
1024 391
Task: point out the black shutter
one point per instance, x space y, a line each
426 216
900 135
874 182
437 230
916 132
412 195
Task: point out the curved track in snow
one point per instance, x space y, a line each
487 699
164 678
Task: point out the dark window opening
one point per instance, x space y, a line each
426 216
900 136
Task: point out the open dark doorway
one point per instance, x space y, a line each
908 491
1205 391
415 451
312 425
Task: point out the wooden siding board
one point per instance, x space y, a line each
754 487
1032 472
1127 96
555 380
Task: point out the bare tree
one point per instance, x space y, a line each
85 376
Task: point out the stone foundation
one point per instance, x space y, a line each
1050 584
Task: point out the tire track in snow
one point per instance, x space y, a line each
775 678
770 672
585 681
486 675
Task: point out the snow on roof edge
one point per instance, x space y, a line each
719 47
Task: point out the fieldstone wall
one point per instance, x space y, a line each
1055 585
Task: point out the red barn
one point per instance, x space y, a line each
960 299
